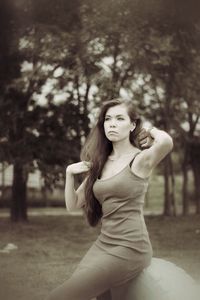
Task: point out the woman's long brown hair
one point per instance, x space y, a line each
97 149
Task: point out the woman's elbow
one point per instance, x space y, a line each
170 143
70 201
69 207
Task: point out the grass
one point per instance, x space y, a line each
50 247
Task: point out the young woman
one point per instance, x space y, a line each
113 191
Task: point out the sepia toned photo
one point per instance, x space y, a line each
99 150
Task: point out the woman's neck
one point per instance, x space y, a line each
122 148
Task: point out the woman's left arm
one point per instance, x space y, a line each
162 145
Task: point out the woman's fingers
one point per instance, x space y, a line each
146 142
87 163
145 138
80 167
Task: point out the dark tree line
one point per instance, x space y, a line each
88 52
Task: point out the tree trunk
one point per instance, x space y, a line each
172 193
195 164
185 200
196 173
197 190
167 199
19 194
169 190
185 190
2 180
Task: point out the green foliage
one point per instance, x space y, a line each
61 59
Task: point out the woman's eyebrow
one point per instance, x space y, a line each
114 116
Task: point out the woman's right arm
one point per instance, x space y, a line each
75 198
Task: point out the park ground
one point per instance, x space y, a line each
50 247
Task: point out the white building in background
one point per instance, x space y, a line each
36 192
6 177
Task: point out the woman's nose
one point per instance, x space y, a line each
112 124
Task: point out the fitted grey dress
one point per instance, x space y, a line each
122 249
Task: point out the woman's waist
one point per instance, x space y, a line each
140 243
133 219
130 227
125 231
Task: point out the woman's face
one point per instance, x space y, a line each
117 123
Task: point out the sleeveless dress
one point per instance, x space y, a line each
122 249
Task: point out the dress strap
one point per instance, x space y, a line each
134 158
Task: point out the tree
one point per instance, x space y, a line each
35 135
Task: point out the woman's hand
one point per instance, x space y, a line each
78 168
145 139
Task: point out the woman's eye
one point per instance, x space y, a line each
119 118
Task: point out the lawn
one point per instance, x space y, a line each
50 247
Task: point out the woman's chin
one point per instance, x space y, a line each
113 139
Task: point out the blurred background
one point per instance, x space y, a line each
59 60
